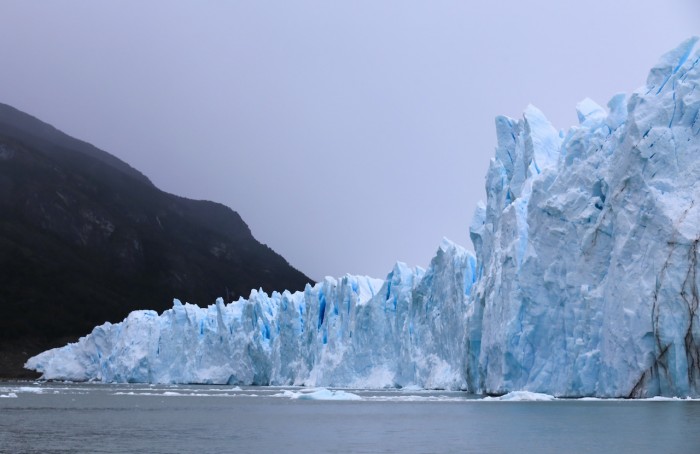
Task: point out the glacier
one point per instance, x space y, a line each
584 281
353 332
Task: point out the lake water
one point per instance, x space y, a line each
96 418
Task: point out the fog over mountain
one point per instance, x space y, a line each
348 135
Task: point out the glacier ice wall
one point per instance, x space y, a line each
587 247
585 281
354 331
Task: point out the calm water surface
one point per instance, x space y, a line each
80 418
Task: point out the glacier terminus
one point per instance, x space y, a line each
584 282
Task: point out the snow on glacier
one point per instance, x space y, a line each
585 280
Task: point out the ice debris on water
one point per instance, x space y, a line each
585 280
319 394
521 396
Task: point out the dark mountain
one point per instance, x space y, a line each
85 238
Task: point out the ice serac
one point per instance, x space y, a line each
585 281
588 268
352 332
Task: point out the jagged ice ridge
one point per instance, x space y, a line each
355 331
585 281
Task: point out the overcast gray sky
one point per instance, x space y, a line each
348 135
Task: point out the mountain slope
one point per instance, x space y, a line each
85 238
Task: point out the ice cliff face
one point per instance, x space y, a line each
585 281
588 246
355 331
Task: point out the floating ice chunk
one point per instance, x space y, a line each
30 390
320 394
521 396
411 388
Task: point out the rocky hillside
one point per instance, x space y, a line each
85 238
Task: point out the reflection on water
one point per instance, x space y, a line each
96 418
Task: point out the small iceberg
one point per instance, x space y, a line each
522 396
319 394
